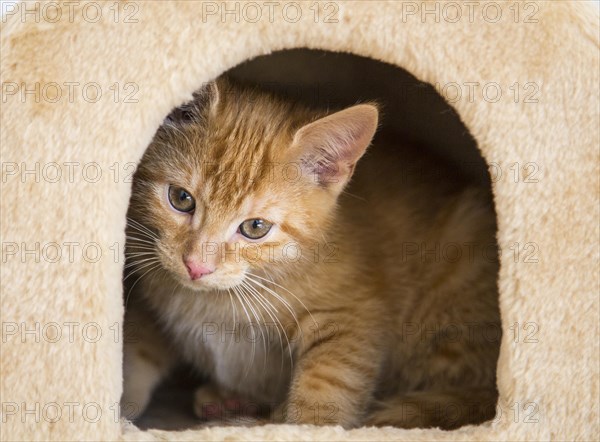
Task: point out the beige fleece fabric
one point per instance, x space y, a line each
83 93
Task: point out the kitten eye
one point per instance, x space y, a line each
181 200
255 228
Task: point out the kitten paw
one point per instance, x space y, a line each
212 403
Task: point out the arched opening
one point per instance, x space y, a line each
414 114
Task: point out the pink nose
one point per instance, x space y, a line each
195 270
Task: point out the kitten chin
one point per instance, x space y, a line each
314 283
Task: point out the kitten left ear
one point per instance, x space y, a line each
211 92
207 95
181 114
330 147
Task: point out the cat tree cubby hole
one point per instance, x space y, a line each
411 110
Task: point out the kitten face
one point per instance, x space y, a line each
238 183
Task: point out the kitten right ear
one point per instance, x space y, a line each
329 147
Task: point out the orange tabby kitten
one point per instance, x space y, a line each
374 304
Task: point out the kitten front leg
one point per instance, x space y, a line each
146 361
334 380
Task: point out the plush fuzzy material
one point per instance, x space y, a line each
175 47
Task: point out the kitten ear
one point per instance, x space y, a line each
181 114
330 147
210 93
207 95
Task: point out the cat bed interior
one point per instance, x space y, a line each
82 96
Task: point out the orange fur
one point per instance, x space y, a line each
359 327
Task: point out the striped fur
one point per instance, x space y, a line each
376 323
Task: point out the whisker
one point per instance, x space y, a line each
137 269
234 311
280 299
252 306
143 252
141 261
269 307
140 227
280 286
144 240
233 308
136 281
241 299
252 299
142 246
134 256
